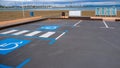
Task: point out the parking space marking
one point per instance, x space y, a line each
33 33
10 44
18 66
60 36
7 32
24 63
48 34
77 23
21 32
53 36
5 66
105 24
49 27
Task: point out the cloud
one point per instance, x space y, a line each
66 0
59 2
16 0
43 0
101 3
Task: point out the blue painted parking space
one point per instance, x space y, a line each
24 63
5 66
18 66
10 44
49 27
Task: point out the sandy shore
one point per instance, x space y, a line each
12 15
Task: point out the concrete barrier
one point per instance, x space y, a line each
7 24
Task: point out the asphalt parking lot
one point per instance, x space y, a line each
61 43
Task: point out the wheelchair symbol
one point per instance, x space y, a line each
9 46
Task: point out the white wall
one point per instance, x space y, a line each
74 13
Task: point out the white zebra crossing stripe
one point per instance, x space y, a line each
48 34
33 33
21 32
30 33
7 32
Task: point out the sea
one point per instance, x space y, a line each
61 8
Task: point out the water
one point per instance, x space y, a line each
40 9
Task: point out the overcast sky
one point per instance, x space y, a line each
83 2
65 0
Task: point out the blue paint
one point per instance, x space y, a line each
23 63
4 66
27 37
10 44
73 26
52 41
49 27
66 31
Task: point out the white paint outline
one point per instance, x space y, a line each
77 23
48 34
105 24
8 32
60 36
33 33
7 44
20 32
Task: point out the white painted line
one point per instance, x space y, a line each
105 24
21 32
48 34
77 23
7 32
60 36
33 33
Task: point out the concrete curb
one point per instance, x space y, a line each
22 22
92 18
107 18
81 18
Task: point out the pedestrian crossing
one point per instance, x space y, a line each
7 32
48 34
33 33
29 33
20 32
